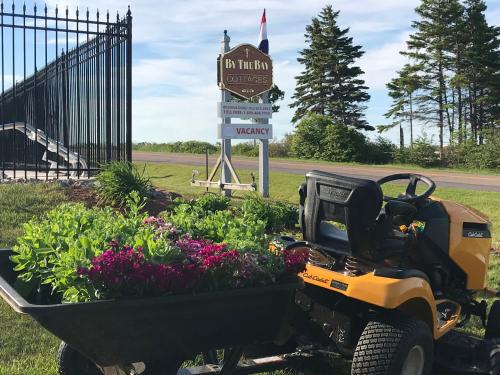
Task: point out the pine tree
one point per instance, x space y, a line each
482 69
402 91
330 83
430 47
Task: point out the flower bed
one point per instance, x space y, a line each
92 254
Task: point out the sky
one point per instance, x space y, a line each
176 43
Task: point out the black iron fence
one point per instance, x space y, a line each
65 103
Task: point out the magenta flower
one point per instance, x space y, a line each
122 271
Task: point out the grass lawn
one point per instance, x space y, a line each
283 186
409 167
27 349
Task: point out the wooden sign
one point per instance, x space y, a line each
245 131
245 71
245 110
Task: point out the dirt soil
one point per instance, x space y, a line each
160 200
83 194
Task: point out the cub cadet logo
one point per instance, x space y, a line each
315 278
475 234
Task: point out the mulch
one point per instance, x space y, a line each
83 194
159 201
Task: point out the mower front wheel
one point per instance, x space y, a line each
493 324
394 345
494 356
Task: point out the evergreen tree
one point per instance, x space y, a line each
430 47
482 67
330 83
402 91
276 95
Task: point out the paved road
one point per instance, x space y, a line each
442 178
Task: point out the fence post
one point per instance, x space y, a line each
128 65
107 79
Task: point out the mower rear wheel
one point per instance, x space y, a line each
394 345
494 356
493 324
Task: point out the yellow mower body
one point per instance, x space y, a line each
469 248
408 270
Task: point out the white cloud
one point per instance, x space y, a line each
173 72
164 119
380 64
176 43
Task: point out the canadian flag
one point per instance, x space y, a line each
263 42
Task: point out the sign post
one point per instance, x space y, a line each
226 143
244 73
264 157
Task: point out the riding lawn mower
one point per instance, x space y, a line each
392 286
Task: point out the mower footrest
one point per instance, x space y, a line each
448 311
250 366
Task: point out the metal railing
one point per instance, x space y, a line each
74 113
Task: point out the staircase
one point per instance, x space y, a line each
72 158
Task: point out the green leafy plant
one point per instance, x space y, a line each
118 179
78 254
70 236
211 202
276 215
200 219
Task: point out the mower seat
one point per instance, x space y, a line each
336 237
351 203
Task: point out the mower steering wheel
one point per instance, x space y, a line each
410 194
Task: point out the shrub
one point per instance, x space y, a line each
317 137
276 215
246 149
281 148
485 156
193 147
342 144
308 138
423 153
211 202
118 179
196 147
277 149
379 151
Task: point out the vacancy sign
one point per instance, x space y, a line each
245 131
245 110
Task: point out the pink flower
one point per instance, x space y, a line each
295 260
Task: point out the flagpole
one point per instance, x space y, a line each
263 45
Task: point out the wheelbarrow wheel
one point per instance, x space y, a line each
72 362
